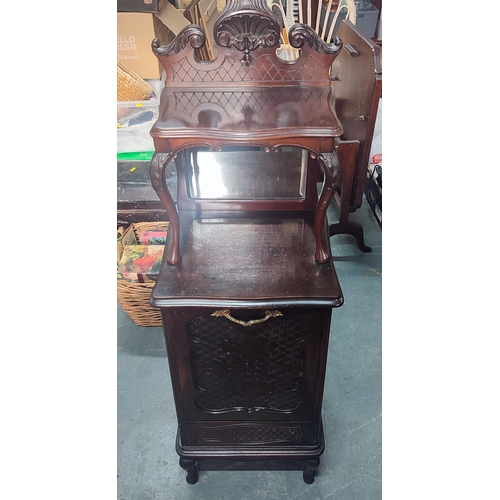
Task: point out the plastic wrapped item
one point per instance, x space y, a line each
135 119
134 136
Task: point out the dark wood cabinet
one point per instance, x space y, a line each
249 391
248 285
246 317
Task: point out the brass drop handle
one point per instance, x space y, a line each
227 314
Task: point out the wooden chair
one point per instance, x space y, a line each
309 12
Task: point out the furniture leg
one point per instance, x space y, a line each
355 229
157 174
189 465
309 470
347 151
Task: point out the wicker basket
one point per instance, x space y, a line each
134 297
130 86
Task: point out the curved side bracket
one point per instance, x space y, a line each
330 166
157 174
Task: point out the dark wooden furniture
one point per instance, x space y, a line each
247 96
137 201
247 285
248 395
357 80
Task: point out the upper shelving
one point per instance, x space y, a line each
247 94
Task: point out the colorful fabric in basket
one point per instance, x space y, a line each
153 238
140 263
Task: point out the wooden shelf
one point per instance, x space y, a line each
233 260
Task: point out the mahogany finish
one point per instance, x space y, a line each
357 80
248 259
137 201
247 96
247 285
246 318
347 151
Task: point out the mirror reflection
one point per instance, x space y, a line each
246 174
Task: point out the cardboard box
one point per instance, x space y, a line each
136 31
204 13
220 4
139 5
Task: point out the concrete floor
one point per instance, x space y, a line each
350 467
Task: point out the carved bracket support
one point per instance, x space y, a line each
157 174
330 166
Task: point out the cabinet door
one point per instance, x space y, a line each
267 371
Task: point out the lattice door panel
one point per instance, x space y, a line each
255 368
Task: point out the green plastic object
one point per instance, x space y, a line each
136 156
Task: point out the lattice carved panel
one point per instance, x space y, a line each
247 369
263 70
247 35
247 110
246 434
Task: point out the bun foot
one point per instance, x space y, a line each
310 470
189 465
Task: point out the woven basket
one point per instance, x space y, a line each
130 86
134 297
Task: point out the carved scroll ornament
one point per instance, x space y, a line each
192 34
300 34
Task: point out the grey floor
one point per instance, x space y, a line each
351 466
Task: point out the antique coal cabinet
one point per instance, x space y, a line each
247 286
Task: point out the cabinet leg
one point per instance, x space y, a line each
189 465
309 470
